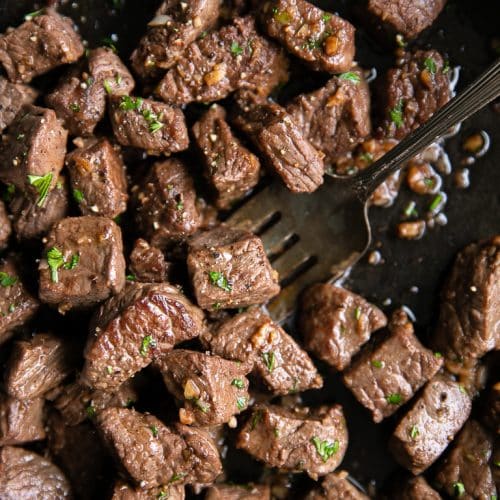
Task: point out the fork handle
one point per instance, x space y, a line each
478 94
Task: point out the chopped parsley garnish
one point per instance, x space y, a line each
430 65
6 280
201 405
107 87
276 432
237 382
438 355
357 313
458 489
78 196
163 495
269 359
236 50
90 411
351 76
394 399
20 137
129 103
256 419
74 107
241 403
130 277
325 448
154 430
326 17
177 477
147 342
153 121
283 17
108 42
32 15
312 44
218 279
55 260
414 432
377 364
411 209
429 182
436 202
446 67
401 41
367 157
73 262
10 191
396 114
462 389
42 184
216 306
109 369
12 308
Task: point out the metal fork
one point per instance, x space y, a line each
317 237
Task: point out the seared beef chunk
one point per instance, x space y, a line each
469 320
235 57
388 373
230 168
322 40
416 488
467 464
412 92
336 486
297 440
32 152
492 409
211 388
145 321
281 142
404 17
80 98
37 365
148 263
83 263
12 98
147 124
123 491
165 204
5 227
237 492
33 221
98 178
21 421
24 474
269 352
335 323
426 430
176 25
39 45
17 305
153 455
229 269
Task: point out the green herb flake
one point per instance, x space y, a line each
496 463
357 313
201 405
10 191
256 419
430 65
411 210
74 107
154 124
109 369
276 432
325 448
282 17
236 50
130 104
462 389
108 42
32 15
107 88
6 280
401 41
73 262
458 489
396 114
90 410
414 432
154 430
163 495
218 279
350 76
394 399
216 306
377 364
147 342
436 202
270 360
78 196
55 260
42 185
177 477
367 157
20 137
438 355
446 67
12 308
241 403
238 383
131 277
326 17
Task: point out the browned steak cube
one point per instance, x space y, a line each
17 305
24 474
296 441
336 323
176 25
144 322
469 320
146 124
83 263
269 352
80 97
467 464
426 430
39 45
212 389
148 263
405 17
238 492
32 152
153 455
21 421
235 57
388 373
229 269
123 491
165 202
491 416
324 41
98 181
336 117
12 98
5 226
37 365
230 168
336 486
412 92
416 488
285 149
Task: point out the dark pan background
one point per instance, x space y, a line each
463 32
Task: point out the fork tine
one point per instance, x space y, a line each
291 260
276 236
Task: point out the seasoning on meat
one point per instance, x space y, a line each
13 96
123 491
336 485
238 492
415 488
5 227
147 263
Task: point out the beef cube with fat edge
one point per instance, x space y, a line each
143 322
13 96
40 44
5 227
336 486
229 167
147 263
336 323
249 491
124 491
389 372
229 269
425 431
416 488
269 352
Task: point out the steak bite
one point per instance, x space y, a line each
83 263
32 152
311 441
233 58
467 463
12 98
273 357
5 227
212 389
98 180
146 124
336 323
165 204
175 26
238 492
336 117
229 167
148 263
39 45
324 41
229 269
79 99
426 430
123 491
412 92
143 322
282 144
388 373
336 486
416 488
